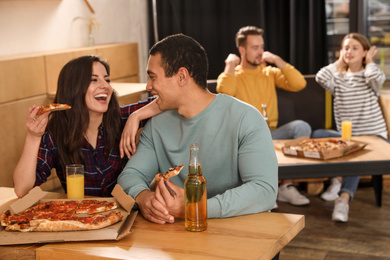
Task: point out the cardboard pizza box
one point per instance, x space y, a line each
353 146
36 195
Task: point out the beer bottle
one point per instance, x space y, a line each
195 192
264 112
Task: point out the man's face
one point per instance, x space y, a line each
253 50
158 84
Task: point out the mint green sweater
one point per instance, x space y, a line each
235 149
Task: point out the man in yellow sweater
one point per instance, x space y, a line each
252 81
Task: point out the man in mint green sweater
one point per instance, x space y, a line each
235 145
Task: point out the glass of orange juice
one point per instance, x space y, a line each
346 129
75 181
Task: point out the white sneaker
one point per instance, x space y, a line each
291 195
340 211
332 192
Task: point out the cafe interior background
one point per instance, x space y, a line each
305 33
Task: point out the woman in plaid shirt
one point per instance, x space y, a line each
89 133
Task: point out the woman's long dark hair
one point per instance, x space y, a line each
68 127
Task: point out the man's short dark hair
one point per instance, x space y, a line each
243 33
183 51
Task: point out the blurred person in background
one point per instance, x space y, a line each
354 80
251 80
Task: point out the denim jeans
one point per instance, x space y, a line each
321 133
349 183
292 130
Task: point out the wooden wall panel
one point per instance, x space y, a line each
13 132
55 62
129 93
131 79
21 78
123 59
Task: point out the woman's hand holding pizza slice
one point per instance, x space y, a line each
36 125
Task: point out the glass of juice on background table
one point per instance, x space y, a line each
75 181
346 129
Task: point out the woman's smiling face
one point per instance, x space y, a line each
99 92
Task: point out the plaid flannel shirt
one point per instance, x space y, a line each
101 172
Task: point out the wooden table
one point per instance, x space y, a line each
373 160
256 236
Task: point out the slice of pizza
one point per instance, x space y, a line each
62 216
56 206
95 206
172 172
93 222
46 210
53 107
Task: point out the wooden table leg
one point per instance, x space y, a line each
377 183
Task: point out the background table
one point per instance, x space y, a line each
373 160
255 236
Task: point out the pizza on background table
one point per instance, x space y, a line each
316 145
318 148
